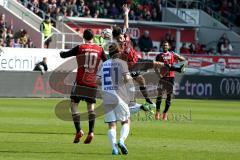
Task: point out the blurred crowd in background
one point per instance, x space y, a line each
9 38
149 10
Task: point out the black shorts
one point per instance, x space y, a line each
84 93
166 84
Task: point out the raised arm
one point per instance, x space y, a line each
126 10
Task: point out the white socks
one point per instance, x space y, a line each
112 135
124 132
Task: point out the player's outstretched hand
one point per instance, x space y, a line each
126 9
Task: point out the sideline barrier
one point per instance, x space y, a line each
33 84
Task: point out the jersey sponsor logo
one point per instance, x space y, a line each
167 57
230 86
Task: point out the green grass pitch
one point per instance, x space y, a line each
197 129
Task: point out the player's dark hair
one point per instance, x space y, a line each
88 34
113 49
116 31
165 42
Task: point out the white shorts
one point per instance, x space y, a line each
116 112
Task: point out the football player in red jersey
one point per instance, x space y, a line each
166 81
88 56
131 55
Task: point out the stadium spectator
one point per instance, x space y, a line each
146 10
10 43
145 42
43 5
2 43
88 14
154 49
7 34
23 37
132 15
34 7
30 43
143 10
157 10
105 14
197 48
72 10
57 14
211 51
41 66
226 47
3 23
229 9
96 14
147 15
221 41
17 43
46 28
3 34
114 12
184 49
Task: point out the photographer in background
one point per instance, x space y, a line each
41 66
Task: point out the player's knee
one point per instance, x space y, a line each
159 99
75 99
112 125
169 98
125 122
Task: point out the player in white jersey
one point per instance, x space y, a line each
116 82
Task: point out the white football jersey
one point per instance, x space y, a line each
113 87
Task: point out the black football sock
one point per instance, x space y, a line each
91 121
158 103
148 100
168 103
145 94
76 120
